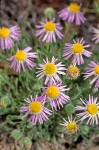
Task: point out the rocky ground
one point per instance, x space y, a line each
63 143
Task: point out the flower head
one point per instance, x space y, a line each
72 13
37 110
49 30
93 71
73 72
54 92
22 58
70 125
95 32
77 50
50 70
7 35
90 110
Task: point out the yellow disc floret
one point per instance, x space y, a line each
35 107
50 68
50 26
52 92
72 126
20 55
77 48
4 32
96 69
92 109
73 7
73 71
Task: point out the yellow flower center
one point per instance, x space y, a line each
52 92
20 55
71 126
73 7
35 107
73 71
4 32
50 68
96 69
77 48
92 109
50 26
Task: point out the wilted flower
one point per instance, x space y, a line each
72 13
93 71
50 70
37 110
70 125
55 93
49 30
77 50
7 35
22 58
90 110
95 32
73 72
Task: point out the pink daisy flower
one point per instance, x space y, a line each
50 70
22 58
49 30
70 125
95 32
55 94
93 71
77 50
90 110
7 35
36 109
72 13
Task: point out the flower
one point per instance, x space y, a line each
77 49
7 35
90 110
37 110
93 71
72 13
21 58
70 125
50 70
48 30
55 93
95 32
73 72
